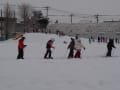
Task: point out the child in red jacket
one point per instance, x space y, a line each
20 48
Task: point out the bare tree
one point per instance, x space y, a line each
8 14
25 12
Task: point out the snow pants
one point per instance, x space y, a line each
20 53
71 53
48 53
78 54
109 52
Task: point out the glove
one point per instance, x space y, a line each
25 46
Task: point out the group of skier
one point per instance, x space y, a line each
74 45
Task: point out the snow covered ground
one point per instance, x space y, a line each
92 72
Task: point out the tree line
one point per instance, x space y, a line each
25 14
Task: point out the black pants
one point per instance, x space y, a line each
48 53
20 53
109 52
71 53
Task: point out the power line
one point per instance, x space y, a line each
66 13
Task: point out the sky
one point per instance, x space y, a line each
92 7
78 6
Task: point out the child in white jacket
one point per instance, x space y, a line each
78 47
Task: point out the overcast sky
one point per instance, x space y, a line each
77 6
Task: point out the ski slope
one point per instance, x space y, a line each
92 72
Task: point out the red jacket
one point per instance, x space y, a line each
21 44
50 44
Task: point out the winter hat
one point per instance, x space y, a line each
72 38
23 38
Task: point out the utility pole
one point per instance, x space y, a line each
14 18
47 9
7 17
1 21
71 16
24 20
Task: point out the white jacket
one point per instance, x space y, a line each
78 45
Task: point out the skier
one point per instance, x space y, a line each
110 45
49 45
21 47
98 39
71 47
78 47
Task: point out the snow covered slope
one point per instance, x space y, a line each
92 72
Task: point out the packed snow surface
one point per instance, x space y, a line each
93 71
